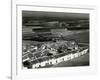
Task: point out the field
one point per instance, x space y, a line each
80 36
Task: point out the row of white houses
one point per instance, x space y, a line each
60 59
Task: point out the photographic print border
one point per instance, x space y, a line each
15 72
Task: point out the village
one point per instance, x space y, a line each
51 53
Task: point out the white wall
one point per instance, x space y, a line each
5 36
